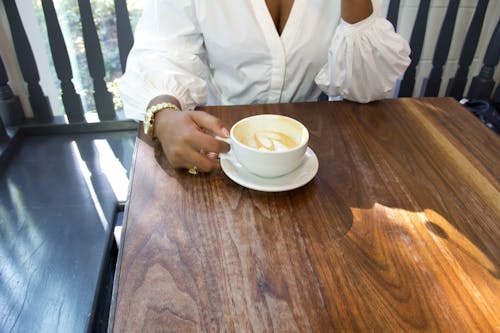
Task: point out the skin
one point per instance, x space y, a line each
187 136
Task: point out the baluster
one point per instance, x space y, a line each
11 111
6 95
71 100
103 98
456 85
3 133
39 102
482 84
416 45
496 97
123 31
431 84
393 12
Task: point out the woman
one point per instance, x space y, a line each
196 52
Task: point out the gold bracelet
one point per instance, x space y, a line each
149 116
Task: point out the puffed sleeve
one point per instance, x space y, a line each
167 58
365 60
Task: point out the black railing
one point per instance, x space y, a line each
393 13
6 95
432 84
123 31
482 85
103 98
38 100
11 113
416 45
71 100
456 86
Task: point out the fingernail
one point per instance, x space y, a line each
213 155
225 132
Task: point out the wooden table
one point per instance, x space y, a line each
398 231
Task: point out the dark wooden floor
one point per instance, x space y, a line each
57 214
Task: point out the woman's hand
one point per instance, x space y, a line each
187 139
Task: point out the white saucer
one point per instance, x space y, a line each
297 178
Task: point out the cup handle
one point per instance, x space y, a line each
229 155
226 140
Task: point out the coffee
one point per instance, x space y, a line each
267 145
270 141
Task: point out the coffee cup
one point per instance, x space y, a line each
267 145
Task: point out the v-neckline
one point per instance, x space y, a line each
277 8
270 22
277 44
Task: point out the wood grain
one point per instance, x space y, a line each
398 231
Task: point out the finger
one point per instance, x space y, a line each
205 142
200 161
212 155
209 122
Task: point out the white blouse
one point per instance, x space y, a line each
229 52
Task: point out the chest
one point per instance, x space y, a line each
279 11
245 31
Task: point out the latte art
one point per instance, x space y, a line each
270 141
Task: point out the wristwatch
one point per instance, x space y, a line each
149 117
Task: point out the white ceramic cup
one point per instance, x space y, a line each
262 144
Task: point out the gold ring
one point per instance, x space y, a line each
193 170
